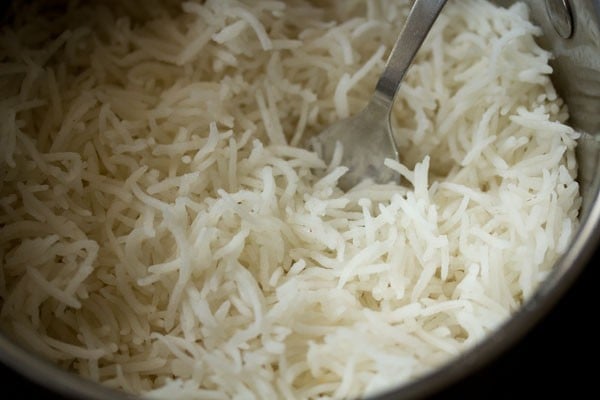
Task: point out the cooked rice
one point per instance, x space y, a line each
165 232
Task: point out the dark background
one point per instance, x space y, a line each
558 358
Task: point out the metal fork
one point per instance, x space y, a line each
367 138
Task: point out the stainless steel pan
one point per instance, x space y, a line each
572 32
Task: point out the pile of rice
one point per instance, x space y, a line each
165 231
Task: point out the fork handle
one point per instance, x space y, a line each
418 23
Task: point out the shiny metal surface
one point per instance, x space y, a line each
577 78
559 13
367 137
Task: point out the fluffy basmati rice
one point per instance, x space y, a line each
163 231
